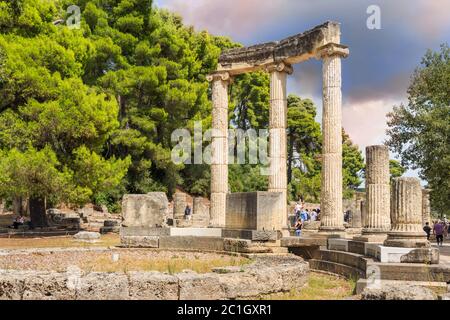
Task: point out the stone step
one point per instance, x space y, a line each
336 268
361 284
347 258
408 271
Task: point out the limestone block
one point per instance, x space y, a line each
255 210
103 286
87 236
139 241
193 286
47 286
421 255
144 210
398 292
152 286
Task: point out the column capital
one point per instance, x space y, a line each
279 67
219 75
332 49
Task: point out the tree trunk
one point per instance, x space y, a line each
290 158
37 213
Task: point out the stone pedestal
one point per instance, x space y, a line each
332 220
219 147
406 214
277 136
377 220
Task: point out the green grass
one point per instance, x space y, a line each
320 287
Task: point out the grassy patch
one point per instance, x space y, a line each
171 265
320 287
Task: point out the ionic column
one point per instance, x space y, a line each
378 220
426 208
331 190
406 215
219 148
277 136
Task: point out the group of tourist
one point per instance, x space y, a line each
303 215
440 230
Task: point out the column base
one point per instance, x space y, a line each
371 238
335 232
406 240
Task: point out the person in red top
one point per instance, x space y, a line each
438 230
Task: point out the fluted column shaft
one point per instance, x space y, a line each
331 189
219 148
277 136
406 214
377 190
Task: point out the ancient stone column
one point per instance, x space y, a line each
219 147
378 220
331 190
277 136
426 208
406 215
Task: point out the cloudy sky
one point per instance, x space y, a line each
377 72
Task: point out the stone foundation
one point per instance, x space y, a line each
267 275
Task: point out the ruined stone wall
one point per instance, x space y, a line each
265 276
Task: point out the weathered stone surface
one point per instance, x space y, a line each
201 216
47 286
193 286
111 223
139 241
377 204
219 148
398 292
11 285
244 246
103 286
293 49
421 255
406 215
144 231
86 235
153 286
144 210
332 219
191 243
254 210
265 275
255 235
104 230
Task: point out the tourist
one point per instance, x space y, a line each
438 230
318 214
187 213
297 210
314 215
298 227
303 216
308 216
427 230
18 221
